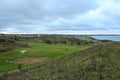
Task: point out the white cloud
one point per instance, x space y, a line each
61 16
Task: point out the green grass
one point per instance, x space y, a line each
99 63
51 51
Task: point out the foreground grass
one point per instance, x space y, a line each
51 51
101 62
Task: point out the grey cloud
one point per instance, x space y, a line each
52 15
15 11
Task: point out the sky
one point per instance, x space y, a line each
60 16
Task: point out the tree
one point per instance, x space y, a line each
17 38
49 41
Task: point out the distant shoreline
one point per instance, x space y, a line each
107 37
67 34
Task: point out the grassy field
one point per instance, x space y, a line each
36 50
101 62
60 60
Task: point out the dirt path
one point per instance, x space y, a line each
29 60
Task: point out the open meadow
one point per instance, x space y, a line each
100 62
35 53
58 58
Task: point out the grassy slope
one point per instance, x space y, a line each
51 51
98 63
101 63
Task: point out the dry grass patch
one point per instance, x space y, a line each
29 60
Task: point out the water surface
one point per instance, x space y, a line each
107 37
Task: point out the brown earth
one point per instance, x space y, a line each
29 60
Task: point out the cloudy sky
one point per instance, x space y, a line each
60 16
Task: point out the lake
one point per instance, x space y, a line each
107 37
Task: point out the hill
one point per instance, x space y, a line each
8 42
100 62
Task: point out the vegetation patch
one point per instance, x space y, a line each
29 60
8 43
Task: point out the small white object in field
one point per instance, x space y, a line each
9 61
23 51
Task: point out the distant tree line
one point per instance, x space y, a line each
64 40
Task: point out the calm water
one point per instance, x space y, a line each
103 37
